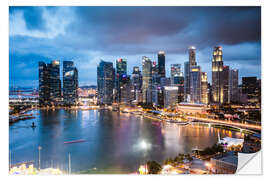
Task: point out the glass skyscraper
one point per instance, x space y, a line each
70 83
161 64
195 84
49 83
147 80
105 82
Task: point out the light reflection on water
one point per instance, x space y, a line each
112 140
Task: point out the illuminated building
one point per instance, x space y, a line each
188 65
105 82
136 84
49 83
170 96
70 83
224 163
161 64
233 86
217 76
177 79
147 80
155 74
226 92
204 88
175 74
195 84
125 89
121 71
251 87
187 82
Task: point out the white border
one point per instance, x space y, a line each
4 72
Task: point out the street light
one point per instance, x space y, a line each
39 148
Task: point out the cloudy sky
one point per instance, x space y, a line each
87 34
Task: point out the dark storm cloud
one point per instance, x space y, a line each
87 34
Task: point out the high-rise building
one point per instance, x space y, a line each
70 83
204 88
170 96
195 84
136 84
49 83
105 82
161 64
217 76
192 56
147 80
251 87
186 82
226 92
121 71
175 74
125 89
155 74
233 86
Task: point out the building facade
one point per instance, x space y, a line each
70 83
217 76
105 82
204 88
49 83
147 80
226 85
233 86
161 64
170 96
195 84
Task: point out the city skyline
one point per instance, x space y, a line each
32 39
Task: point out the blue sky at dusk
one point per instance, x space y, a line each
87 34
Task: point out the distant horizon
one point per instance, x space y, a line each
85 35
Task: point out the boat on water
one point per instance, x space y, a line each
74 141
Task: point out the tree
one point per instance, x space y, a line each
153 167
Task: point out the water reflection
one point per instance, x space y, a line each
113 140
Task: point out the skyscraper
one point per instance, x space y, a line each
49 83
175 74
195 84
192 56
161 64
204 88
186 82
147 80
70 83
233 86
121 74
105 82
217 76
251 87
226 92
136 84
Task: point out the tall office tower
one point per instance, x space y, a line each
155 74
160 96
175 74
70 83
226 92
233 86
147 80
161 64
44 89
125 89
250 87
155 94
121 69
204 88
187 82
136 84
195 84
170 96
192 56
217 76
105 82
181 93
49 83
165 81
